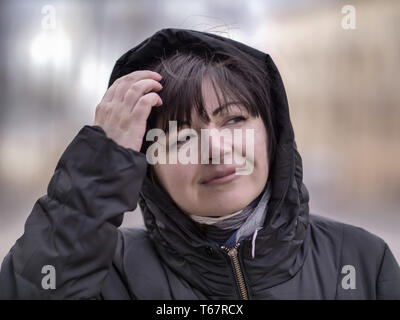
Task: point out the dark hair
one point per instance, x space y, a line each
239 77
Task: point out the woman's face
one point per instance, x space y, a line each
187 183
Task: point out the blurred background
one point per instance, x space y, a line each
339 64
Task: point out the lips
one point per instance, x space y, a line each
217 174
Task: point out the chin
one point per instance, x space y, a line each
223 209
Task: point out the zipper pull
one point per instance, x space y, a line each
233 251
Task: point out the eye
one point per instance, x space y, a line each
179 143
236 119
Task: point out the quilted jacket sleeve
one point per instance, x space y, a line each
70 236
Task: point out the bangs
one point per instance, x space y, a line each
182 81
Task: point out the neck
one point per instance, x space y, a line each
221 228
210 220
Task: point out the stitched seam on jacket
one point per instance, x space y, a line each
380 269
123 273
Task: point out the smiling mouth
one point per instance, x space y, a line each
222 180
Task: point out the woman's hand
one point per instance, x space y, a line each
126 105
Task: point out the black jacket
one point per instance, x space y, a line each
74 228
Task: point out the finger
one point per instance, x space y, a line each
109 94
142 74
141 110
138 89
99 115
129 79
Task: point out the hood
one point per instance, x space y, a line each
281 244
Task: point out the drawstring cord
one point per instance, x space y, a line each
253 243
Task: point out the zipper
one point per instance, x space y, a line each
233 254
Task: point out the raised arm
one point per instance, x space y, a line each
71 234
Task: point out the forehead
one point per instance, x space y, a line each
213 106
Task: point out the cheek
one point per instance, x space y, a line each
176 177
261 145
256 141
261 162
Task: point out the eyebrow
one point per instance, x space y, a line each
217 111
223 107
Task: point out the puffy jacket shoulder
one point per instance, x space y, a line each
136 272
365 264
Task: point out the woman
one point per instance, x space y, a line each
210 233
